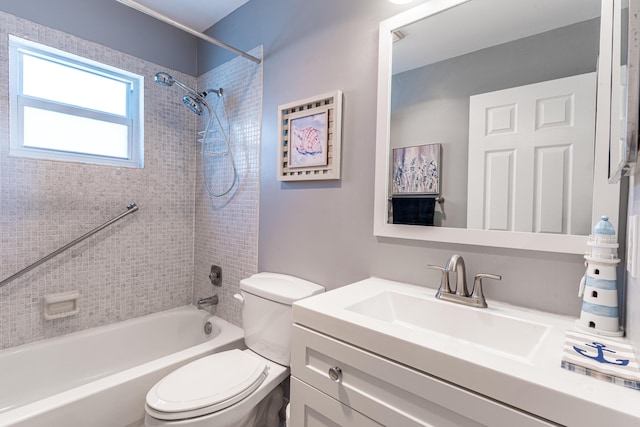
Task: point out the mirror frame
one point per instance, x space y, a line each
606 196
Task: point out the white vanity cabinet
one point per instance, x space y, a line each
369 390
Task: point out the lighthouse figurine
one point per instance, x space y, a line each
599 286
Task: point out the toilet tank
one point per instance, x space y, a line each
266 313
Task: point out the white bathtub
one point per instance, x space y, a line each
100 376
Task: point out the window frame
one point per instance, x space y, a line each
133 120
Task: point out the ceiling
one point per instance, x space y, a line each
479 24
484 24
196 14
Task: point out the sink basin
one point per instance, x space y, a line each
481 327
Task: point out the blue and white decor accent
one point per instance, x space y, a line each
599 286
608 359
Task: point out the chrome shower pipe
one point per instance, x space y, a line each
218 92
186 88
137 6
166 79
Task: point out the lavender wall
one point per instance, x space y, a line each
323 231
112 24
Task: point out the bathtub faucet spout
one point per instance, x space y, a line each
206 302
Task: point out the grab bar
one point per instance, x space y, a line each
130 209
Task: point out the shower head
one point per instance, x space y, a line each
164 79
194 100
194 104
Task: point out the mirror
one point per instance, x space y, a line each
625 99
485 78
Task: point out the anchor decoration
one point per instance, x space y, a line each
600 356
610 360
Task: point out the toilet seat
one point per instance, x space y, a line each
206 385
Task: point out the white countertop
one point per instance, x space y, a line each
535 384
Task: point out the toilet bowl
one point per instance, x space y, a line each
223 389
237 388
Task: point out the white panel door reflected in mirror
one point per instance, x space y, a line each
534 145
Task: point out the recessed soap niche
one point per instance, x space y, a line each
57 306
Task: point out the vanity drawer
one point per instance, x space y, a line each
314 408
390 393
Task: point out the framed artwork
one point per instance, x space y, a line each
416 170
308 139
310 132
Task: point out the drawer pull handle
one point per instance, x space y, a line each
335 374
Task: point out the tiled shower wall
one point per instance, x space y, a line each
226 228
139 265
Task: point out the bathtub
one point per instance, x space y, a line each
100 377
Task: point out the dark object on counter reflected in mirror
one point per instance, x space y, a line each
413 210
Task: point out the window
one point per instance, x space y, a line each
64 107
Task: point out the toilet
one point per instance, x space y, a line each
237 388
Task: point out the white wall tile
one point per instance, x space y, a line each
140 265
226 228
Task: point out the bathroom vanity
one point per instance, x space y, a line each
379 352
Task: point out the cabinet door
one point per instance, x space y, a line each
312 408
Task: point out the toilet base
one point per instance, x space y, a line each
268 412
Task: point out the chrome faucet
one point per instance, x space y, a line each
456 263
206 302
461 294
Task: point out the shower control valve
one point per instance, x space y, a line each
215 275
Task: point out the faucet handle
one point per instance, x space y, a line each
444 287
477 287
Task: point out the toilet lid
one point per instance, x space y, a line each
207 385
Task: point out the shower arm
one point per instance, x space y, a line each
137 6
187 89
130 209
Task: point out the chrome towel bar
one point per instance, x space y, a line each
130 209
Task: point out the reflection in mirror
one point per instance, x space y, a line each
508 89
511 97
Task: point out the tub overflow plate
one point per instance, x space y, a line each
208 327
